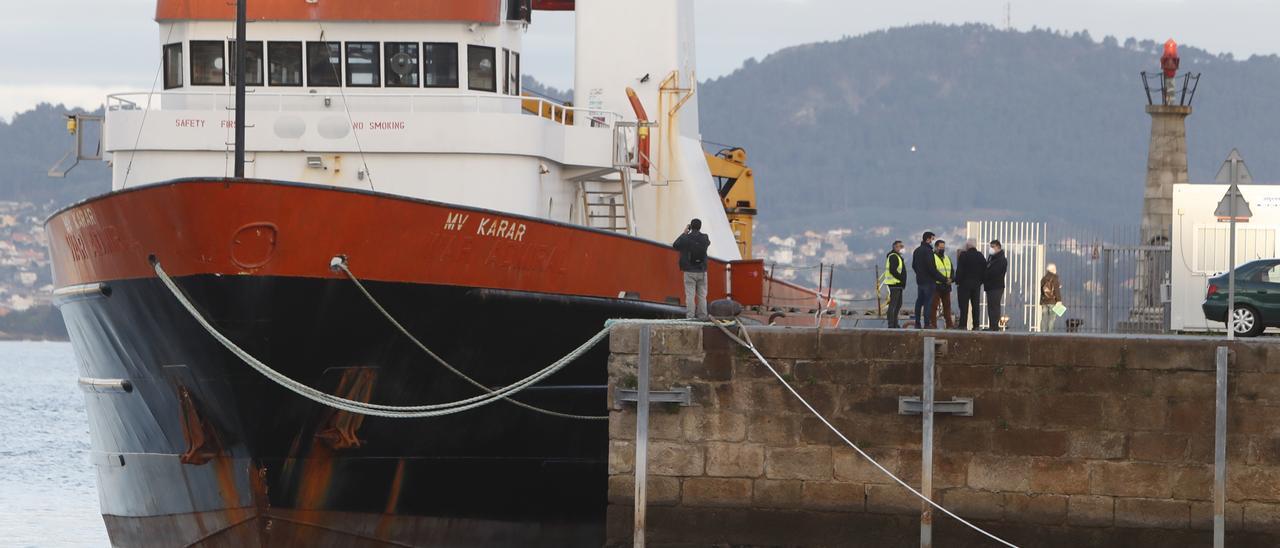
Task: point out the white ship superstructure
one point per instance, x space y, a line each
432 109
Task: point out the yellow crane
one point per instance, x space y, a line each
737 185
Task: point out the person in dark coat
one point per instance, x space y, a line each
970 268
692 245
895 279
993 284
927 277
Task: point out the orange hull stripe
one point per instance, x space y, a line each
274 229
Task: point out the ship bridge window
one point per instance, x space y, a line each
402 64
208 63
482 70
441 62
363 66
518 10
172 66
324 64
253 63
284 63
512 85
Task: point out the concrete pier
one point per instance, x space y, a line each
1074 441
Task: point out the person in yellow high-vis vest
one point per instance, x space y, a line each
895 279
942 295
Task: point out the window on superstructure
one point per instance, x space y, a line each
172 66
253 63
208 63
364 68
518 10
482 68
440 60
402 64
324 64
284 63
512 85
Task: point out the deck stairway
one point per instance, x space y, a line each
606 192
606 200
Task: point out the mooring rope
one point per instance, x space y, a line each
340 263
745 341
389 411
442 409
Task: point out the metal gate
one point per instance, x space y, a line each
1112 282
1111 287
1024 247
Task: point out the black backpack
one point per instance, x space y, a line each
698 252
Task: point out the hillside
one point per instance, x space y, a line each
1032 125
29 145
1017 124
1027 125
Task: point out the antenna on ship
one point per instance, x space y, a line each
239 74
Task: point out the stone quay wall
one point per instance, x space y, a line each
1074 441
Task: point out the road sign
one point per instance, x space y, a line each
1241 209
1242 171
1234 207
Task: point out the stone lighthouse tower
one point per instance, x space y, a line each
1166 166
1167 156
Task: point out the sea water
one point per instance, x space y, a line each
48 495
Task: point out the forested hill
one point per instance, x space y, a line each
1029 125
32 143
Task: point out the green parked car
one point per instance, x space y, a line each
1257 298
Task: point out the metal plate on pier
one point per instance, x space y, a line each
682 395
963 407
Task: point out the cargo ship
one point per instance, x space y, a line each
294 139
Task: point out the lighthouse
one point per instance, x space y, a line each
1168 104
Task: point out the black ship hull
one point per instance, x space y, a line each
194 447
202 450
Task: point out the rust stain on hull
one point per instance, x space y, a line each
201 437
224 468
338 431
341 427
393 500
204 447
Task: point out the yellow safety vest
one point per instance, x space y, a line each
888 278
944 265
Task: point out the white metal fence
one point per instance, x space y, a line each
1024 248
1112 282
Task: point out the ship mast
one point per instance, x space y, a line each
239 74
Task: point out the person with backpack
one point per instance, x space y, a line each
692 246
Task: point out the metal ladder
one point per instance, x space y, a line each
606 200
606 193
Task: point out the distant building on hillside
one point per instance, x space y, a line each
20 303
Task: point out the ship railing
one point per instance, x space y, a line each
315 101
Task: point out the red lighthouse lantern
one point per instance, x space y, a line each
1169 61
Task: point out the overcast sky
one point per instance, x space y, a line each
76 51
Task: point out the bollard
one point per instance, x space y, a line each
642 436
926 446
1220 451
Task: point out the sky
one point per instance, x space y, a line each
77 51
